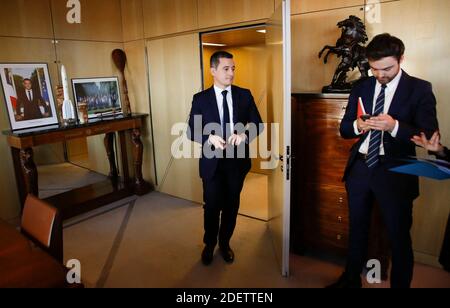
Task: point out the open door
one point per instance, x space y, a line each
278 42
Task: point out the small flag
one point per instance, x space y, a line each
361 109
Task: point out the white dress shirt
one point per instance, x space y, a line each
390 90
219 99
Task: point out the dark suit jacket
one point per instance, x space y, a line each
205 105
413 105
31 109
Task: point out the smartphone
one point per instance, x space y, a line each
365 117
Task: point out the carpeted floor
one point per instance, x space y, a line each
156 241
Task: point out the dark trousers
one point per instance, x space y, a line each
221 195
364 186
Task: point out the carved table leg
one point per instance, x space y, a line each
141 186
29 171
109 146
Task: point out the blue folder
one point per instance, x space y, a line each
426 168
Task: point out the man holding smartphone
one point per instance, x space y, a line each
401 107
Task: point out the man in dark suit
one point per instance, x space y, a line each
30 104
224 119
401 107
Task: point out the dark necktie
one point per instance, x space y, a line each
29 95
226 117
373 154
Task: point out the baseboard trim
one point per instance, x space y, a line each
427 259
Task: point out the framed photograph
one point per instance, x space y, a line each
28 95
100 96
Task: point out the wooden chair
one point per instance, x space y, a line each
42 224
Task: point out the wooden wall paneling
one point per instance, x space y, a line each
136 74
175 76
423 28
213 13
277 3
310 33
77 148
84 59
304 6
101 20
169 16
26 18
132 19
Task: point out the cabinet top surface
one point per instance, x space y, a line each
322 95
61 128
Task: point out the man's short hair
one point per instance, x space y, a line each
26 79
215 58
385 45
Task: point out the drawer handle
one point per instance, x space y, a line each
340 219
339 237
341 200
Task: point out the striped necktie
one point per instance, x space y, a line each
373 154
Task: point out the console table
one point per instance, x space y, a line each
86 198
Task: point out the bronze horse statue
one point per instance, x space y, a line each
353 54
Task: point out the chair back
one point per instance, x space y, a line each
42 224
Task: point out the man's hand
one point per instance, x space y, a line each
383 122
217 142
432 145
362 125
236 140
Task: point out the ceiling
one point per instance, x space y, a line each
237 37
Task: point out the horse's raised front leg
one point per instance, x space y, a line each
323 50
325 60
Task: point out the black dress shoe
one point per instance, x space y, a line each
227 254
346 282
207 255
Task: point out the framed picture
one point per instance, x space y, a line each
28 95
100 96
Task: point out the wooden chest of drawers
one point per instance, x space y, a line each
319 200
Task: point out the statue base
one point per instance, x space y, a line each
335 89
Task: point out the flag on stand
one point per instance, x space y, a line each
10 91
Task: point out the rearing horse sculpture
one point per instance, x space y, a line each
353 54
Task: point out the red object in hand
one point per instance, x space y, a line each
361 110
